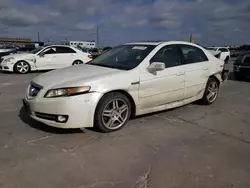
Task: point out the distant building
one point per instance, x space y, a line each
19 42
82 44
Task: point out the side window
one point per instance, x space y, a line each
170 55
193 54
247 59
64 50
51 50
223 49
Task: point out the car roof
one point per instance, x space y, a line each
59 45
156 43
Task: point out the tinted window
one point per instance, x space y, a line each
64 50
170 55
223 49
247 59
193 54
49 51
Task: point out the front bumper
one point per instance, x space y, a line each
79 110
6 68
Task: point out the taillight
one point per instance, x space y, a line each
90 56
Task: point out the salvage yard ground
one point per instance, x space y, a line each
193 146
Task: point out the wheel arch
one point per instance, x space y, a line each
124 92
14 66
217 78
77 60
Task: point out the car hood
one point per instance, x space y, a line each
20 56
73 76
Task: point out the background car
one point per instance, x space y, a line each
47 58
129 80
96 53
225 53
242 66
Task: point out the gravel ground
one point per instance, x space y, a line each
193 146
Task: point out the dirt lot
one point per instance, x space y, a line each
193 146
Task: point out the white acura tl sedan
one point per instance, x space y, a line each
129 80
47 58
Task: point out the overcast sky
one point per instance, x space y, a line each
211 21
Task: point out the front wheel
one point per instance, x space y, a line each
112 113
211 92
22 67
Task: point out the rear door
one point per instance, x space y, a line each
166 86
65 56
196 70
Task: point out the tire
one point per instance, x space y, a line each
112 113
238 76
227 60
22 67
77 62
211 92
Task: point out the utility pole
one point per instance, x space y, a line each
97 36
38 37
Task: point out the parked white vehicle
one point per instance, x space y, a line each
47 58
129 80
224 53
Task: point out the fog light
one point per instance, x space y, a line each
62 118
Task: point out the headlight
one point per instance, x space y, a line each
8 60
65 92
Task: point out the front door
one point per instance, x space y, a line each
166 86
47 59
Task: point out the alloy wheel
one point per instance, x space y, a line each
212 91
22 67
115 114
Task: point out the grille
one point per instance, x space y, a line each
1 60
34 89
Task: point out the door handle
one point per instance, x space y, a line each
180 73
205 69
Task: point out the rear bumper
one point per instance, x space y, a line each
224 75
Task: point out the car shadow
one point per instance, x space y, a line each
42 127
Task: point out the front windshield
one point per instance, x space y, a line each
125 57
35 50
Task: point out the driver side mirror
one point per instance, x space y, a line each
42 54
156 66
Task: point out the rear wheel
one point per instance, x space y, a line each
211 91
77 62
112 112
22 67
